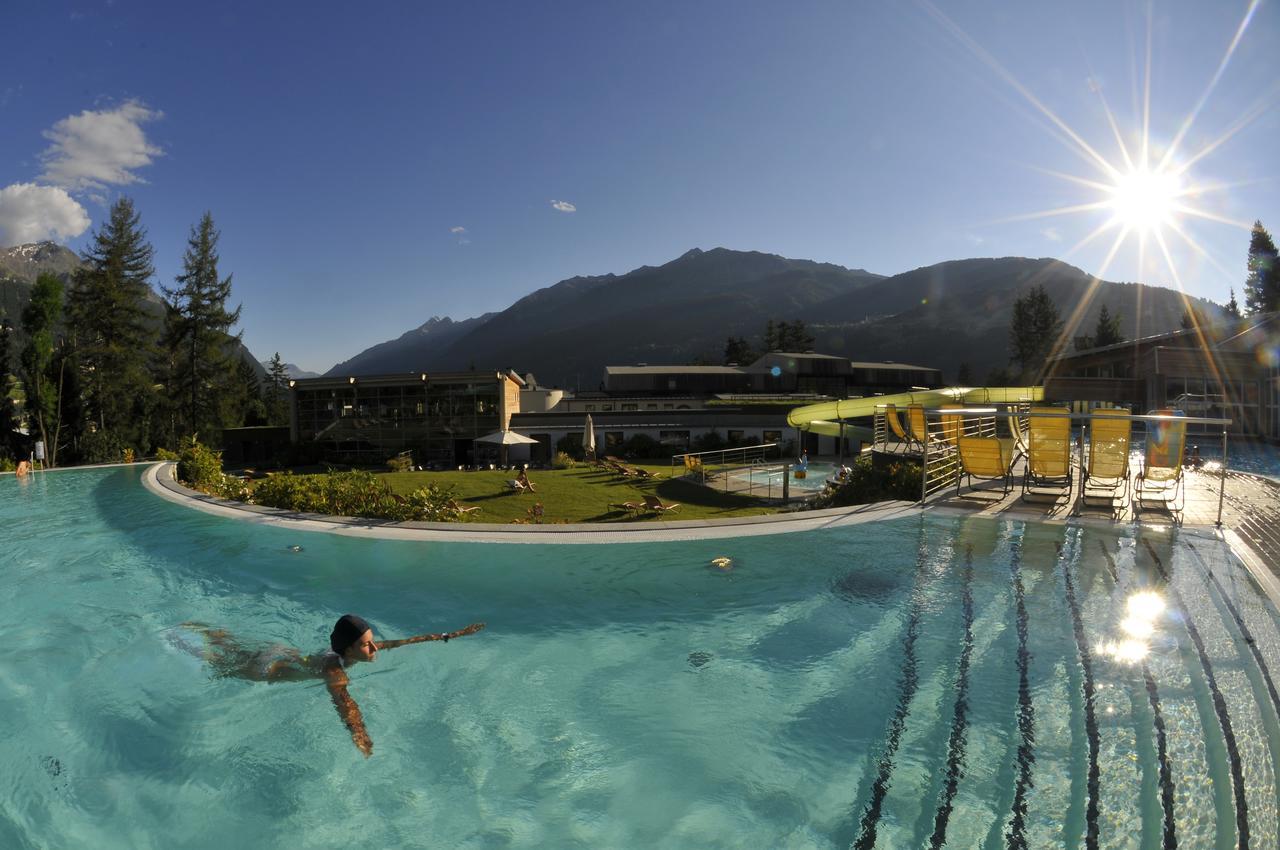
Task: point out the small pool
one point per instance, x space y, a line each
769 479
931 681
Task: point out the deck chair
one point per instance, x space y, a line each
985 457
1019 437
1160 478
1107 472
462 510
1048 451
653 503
629 507
952 425
905 440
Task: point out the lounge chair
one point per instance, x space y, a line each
985 457
462 510
1019 437
629 507
1049 451
905 440
1107 472
1161 476
952 425
653 503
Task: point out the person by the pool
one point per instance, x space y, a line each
350 642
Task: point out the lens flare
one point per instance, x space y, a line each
1144 201
1137 627
1146 605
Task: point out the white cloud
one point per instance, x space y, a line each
31 213
563 206
1052 234
458 229
94 150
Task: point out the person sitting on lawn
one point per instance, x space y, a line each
523 480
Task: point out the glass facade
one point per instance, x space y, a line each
370 421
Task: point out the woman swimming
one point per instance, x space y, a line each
350 642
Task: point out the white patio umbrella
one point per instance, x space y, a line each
504 439
589 438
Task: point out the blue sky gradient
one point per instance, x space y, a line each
340 147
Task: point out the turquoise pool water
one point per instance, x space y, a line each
761 480
933 681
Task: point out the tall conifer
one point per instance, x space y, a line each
1262 286
198 332
107 324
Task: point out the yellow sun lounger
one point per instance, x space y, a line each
952 425
1107 472
985 457
1049 451
1161 476
905 440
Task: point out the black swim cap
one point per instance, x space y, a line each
346 632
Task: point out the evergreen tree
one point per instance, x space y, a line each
771 342
277 392
108 329
1033 331
964 375
1188 321
8 417
42 373
1262 286
244 404
1233 308
198 331
1108 330
738 350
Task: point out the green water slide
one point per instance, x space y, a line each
824 418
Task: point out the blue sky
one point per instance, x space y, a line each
370 167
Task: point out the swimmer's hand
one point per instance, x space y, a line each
444 636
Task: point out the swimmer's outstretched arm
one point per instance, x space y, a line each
336 681
444 636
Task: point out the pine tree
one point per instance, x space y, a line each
107 324
244 404
1188 321
1033 331
1262 286
738 350
964 375
198 330
771 342
42 373
1108 330
277 391
8 419
1233 308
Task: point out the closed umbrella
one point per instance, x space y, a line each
504 439
589 438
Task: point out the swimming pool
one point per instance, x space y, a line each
875 685
770 479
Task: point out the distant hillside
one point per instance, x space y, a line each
291 369
942 315
22 264
670 314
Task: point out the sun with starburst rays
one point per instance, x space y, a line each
1141 196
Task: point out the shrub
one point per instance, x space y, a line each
200 468
101 447
357 493
164 454
128 455
869 483
7 464
432 503
402 462
563 461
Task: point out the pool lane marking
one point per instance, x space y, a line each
1015 835
1219 703
1169 840
959 722
1249 640
1090 698
906 691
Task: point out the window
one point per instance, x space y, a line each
630 407
651 407
772 437
613 440
674 438
590 408
737 436
604 407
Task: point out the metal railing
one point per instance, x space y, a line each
696 464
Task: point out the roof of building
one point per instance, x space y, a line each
1254 322
673 370
404 378
888 364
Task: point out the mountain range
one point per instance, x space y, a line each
683 311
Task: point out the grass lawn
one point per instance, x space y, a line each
582 494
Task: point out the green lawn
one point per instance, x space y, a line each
579 495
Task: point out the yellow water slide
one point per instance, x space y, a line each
824 418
